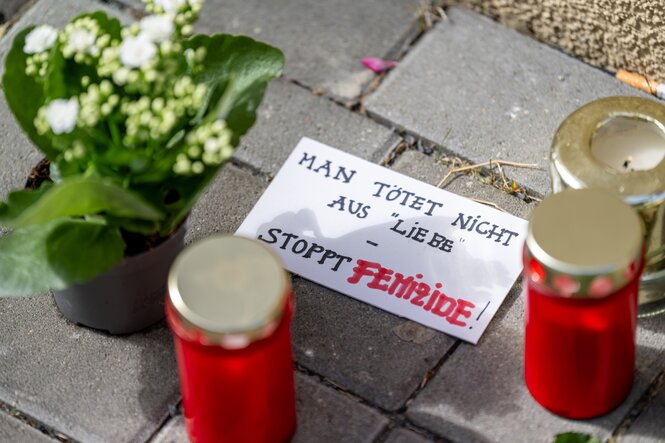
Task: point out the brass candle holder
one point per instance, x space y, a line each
618 144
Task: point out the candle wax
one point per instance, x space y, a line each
629 144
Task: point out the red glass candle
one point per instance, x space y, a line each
230 307
582 262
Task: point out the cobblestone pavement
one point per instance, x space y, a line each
466 88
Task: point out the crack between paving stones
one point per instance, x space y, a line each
173 411
49 431
431 373
254 170
122 6
11 21
397 418
639 407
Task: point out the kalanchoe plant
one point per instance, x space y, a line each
135 121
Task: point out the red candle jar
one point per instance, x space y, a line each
229 307
582 262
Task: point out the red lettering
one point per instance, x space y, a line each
453 319
449 302
423 291
395 283
382 275
363 269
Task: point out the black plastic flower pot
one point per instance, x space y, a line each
127 298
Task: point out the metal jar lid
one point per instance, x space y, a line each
230 290
583 243
574 164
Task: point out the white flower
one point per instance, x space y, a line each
157 28
61 115
40 39
137 51
81 40
170 6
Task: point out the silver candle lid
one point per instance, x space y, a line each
230 290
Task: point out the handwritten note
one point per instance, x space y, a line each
389 240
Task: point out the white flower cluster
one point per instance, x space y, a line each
183 12
59 116
98 102
83 40
155 119
37 43
208 145
138 91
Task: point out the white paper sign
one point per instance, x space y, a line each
389 240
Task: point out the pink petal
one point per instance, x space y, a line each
378 65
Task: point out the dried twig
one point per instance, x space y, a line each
481 165
489 203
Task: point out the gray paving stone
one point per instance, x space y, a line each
650 425
225 203
91 386
485 92
289 113
17 154
173 432
324 415
324 42
9 8
15 431
403 435
375 354
479 395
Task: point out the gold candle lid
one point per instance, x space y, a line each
573 161
232 290
583 243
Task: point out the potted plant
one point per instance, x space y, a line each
135 121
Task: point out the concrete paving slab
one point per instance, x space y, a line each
88 385
225 203
403 435
374 354
485 92
324 415
9 8
289 113
650 425
17 154
15 431
324 42
479 395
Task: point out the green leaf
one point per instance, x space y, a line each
79 250
19 201
237 70
81 196
576 437
56 255
24 95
